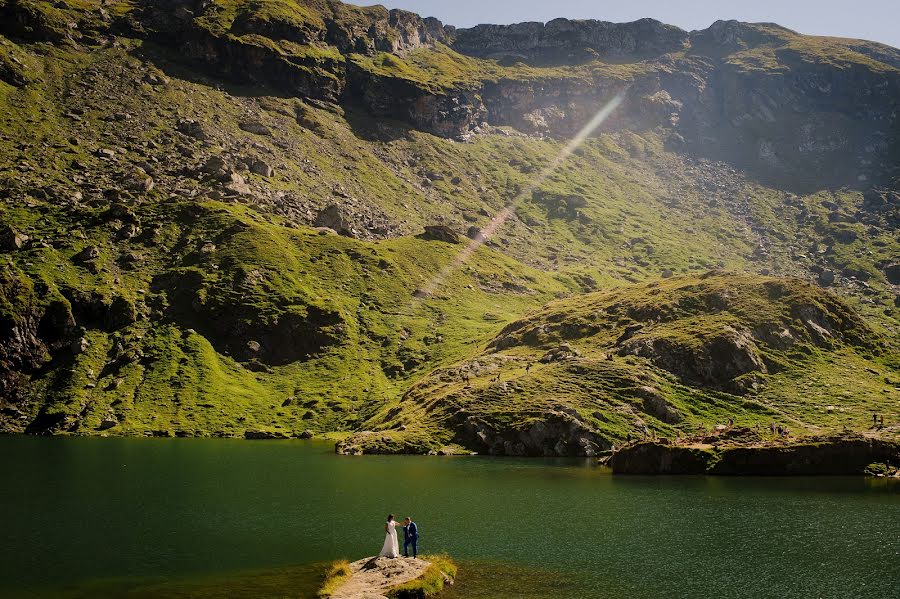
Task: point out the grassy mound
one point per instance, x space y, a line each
336 575
165 270
663 358
441 572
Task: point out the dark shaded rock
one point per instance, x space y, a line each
87 254
657 458
827 278
264 169
720 362
255 127
846 455
107 423
569 40
121 314
10 239
561 432
892 273
440 233
193 129
265 435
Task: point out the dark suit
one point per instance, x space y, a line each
411 537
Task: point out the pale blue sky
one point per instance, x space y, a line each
877 20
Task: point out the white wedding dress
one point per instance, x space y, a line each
391 548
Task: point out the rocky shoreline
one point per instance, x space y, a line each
746 454
384 578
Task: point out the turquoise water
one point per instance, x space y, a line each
87 517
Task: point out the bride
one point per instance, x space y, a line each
391 548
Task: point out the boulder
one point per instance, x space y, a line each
121 313
332 217
193 129
892 273
440 233
107 423
473 232
10 239
262 168
87 254
237 185
216 166
827 278
255 127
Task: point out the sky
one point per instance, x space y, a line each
876 20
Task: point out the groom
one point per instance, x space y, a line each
410 537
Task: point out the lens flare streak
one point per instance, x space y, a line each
498 221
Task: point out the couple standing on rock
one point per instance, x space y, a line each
410 537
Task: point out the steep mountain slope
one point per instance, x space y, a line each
173 176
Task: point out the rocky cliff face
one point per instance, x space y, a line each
847 455
567 41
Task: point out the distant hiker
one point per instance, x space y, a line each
772 427
731 423
881 421
874 420
528 367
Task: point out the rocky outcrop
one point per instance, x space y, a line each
558 433
719 362
381 577
843 455
564 40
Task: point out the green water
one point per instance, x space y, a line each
95 518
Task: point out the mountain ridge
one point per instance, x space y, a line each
211 214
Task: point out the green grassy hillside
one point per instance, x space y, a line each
185 251
664 358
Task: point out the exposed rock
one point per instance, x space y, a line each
374 577
440 233
560 433
564 39
107 423
139 182
10 239
332 217
255 127
258 435
87 254
80 345
262 168
718 362
846 455
827 278
892 273
192 128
